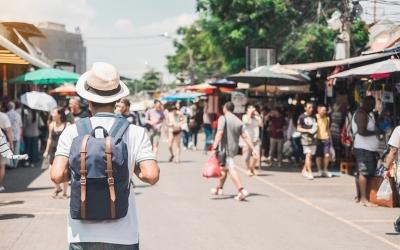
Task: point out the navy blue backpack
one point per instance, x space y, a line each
100 178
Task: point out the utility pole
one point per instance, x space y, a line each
374 11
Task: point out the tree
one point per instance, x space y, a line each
151 80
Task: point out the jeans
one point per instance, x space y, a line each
185 138
297 148
208 133
276 145
193 137
14 163
101 246
32 148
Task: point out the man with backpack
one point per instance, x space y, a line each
102 153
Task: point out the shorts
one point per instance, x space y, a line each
366 161
309 149
154 136
230 163
323 148
247 152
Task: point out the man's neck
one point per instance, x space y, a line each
102 110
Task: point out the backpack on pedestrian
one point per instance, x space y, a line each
100 179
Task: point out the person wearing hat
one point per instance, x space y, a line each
102 88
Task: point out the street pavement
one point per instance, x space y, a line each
283 211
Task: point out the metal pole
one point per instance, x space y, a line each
374 11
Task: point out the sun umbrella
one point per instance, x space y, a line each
224 83
181 97
268 75
38 100
203 88
298 89
67 89
47 76
379 68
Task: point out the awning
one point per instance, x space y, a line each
14 49
334 63
7 57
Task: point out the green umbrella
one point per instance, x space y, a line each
46 76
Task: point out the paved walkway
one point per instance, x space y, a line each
284 211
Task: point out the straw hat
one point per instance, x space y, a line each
101 84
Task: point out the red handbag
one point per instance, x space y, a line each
212 168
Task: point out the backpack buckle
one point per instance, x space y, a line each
83 181
110 181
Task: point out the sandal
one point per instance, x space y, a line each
56 192
65 196
171 158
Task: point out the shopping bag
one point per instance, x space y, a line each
212 168
385 190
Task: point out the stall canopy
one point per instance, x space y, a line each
280 90
203 88
67 89
181 97
383 67
47 76
269 75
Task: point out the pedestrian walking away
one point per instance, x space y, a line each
154 120
57 125
102 207
323 142
175 121
16 121
252 122
307 126
277 124
366 146
230 128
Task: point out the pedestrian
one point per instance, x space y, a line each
122 108
252 122
323 142
175 121
365 147
194 124
307 126
154 120
75 110
277 125
230 128
5 153
58 123
16 121
101 87
185 111
207 128
31 133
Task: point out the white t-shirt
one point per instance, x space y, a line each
121 231
250 126
4 121
394 140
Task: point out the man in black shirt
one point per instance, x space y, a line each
75 110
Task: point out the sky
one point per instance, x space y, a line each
133 18
105 18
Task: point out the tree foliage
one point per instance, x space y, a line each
215 44
151 80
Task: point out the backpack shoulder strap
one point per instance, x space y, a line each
119 128
84 126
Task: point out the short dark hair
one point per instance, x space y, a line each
102 105
229 106
125 101
157 101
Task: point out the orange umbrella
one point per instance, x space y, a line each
64 90
203 88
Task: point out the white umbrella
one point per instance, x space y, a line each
38 100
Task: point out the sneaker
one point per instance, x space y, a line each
304 173
310 176
242 195
217 191
326 174
2 189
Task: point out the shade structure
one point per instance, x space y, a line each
47 76
38 101
384 67
67 89
269 75
280 90
224 83
203 88
181 97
